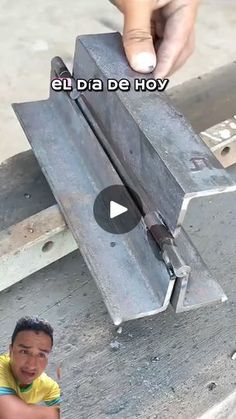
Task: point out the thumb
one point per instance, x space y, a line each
137 37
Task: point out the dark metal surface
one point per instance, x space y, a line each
62 72
195 286
152 145
133 280
166 242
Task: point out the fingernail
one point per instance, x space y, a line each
144 62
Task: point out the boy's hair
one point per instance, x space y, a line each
32 323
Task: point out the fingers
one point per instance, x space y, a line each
184 55
169 22
58 373
137 35
178 28
158 23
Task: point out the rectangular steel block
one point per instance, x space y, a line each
153 147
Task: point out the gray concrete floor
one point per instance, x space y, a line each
31 34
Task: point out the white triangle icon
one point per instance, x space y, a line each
116 209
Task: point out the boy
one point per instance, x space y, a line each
23 382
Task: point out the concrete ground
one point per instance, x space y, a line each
32 33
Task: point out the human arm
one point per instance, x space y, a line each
14 407
158 35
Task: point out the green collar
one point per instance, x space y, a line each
25 388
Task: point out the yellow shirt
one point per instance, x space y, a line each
43 389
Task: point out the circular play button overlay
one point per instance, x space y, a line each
115 210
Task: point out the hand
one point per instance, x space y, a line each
14 407
158 35
52 413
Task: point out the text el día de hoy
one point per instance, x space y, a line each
97 85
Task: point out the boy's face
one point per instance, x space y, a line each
29 355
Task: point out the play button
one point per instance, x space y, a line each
115 209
